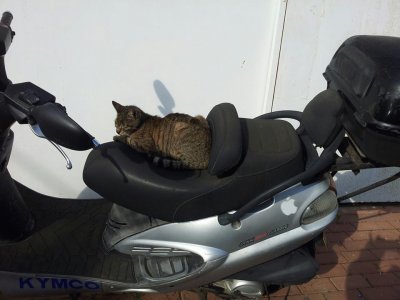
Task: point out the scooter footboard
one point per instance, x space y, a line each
296 267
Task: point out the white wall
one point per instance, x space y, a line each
175 55
314 29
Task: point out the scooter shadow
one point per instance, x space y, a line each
362 251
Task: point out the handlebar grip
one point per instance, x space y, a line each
58 127
6 18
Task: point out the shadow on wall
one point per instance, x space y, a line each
165 97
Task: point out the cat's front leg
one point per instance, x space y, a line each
120 138
141 142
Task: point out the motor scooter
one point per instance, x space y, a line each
243 226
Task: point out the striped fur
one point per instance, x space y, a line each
175 141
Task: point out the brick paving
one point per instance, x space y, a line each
360 261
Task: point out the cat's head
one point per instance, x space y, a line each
129 118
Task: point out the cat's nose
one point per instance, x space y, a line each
118 131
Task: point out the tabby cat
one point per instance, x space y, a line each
183 138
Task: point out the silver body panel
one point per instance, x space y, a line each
246 257
260 236
33 284
210 233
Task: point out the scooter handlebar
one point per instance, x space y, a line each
6 36
6 18
58 127
29 103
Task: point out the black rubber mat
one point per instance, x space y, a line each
66 241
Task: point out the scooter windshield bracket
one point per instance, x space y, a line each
38 132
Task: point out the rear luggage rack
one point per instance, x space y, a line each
352 158
365 71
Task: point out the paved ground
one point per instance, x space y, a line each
361 261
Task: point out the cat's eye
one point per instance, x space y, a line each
133 114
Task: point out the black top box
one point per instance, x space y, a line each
365 71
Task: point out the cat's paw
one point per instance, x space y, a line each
119 138
176 164
167 163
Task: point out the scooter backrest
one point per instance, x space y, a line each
322 117
226 149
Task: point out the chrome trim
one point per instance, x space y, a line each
207 253
212 258
38 132
233 286
67 160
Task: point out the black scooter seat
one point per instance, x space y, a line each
271 152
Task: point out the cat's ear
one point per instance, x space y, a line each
118 107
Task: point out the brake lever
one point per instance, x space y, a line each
38 132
